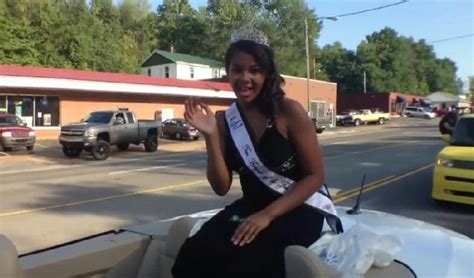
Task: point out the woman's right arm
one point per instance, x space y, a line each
212 127
218 173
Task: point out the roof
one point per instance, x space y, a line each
159 57
442 96
29 71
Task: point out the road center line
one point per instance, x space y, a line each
355 191
154 190
146 169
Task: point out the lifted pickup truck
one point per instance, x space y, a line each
366 116
102 129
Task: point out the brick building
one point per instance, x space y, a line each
46 98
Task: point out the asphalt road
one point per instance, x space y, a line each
47 199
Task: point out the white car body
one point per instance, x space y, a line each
428 250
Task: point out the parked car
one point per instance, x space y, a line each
102 129
15 133
342 118
412 111
453 175
366 116
178 129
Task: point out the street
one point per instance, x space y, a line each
47 199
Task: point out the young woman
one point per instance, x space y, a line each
249 236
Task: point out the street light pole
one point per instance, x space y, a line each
333 18
307 66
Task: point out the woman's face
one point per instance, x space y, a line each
246 77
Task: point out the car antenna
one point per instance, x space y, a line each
356 208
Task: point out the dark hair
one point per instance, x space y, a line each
272 93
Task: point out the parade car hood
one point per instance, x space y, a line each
430 250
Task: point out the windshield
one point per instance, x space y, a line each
99 117
10 120
464 133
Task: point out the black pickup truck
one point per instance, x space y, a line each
102 129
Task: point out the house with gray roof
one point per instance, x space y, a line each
181 66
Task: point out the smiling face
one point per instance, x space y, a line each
246 77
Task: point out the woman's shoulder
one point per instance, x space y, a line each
292 109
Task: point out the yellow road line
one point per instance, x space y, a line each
355 191
339 198
12 213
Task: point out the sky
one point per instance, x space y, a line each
432 20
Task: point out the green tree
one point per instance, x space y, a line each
17 45
342 66
471 84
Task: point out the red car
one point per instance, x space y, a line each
15 133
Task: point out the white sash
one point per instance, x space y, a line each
281 184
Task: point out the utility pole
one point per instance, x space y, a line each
365 84
307 66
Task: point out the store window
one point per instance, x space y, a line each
22 106
46 111
317 109
3 104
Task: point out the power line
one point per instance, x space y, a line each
452 38
368 10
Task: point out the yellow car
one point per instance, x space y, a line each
453 176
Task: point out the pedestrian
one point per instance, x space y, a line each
448 122
269 140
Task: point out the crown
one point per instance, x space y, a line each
249 34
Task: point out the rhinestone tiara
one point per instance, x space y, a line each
249 34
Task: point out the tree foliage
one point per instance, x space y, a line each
392 63
116 36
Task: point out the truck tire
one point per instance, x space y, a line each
151 143
29 148
357 122
381 121
123 146
70 151
101 151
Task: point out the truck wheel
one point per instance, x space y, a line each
123 146
101 151
381 121
357 122
71 151
29 148
151 143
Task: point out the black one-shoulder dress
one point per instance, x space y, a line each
210 253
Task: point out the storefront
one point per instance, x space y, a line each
35 111
46 98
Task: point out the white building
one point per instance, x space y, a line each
181 66
439 99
